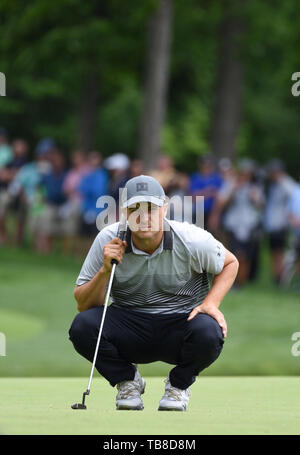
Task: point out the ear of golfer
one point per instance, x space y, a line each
220 286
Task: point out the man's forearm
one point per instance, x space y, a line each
221 284
92 294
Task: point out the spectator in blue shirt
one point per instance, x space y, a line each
49 221
205 182
14 204
91 187
294 220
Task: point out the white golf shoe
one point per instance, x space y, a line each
174 399
129 393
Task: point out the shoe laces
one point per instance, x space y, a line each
175 393
128 388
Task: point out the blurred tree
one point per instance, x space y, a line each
64 62
87 113
271 115
192 77
156 82
74 71
228 91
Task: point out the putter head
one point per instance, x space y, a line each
81 405
78 406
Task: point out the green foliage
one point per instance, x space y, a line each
271 113
186 138
48 49
119 119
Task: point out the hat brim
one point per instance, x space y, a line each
134 200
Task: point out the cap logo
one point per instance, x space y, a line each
142 186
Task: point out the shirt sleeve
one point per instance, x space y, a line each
95 257
293 204
92 264
208 254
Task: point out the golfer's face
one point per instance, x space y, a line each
145 218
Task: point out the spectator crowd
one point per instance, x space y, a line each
53 198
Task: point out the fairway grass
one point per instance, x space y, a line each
218 406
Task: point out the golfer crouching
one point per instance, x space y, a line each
162 305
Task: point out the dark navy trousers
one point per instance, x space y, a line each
130 336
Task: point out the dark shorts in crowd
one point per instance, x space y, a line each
277 239
18 205
87 229
297 248
15 205
237 247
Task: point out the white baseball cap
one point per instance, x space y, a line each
142 188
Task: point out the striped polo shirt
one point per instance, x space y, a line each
173 279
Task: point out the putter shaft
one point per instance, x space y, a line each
101 326
114 262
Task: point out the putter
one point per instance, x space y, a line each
121 235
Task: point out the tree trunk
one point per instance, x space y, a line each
157 72
87 113
227 112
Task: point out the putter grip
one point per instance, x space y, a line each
121 235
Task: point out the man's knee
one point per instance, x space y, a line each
82 327
205 335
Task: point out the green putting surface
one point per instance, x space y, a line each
218 405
